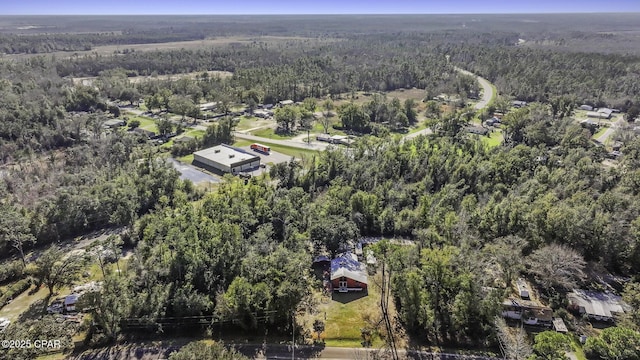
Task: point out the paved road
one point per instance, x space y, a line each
426 131
611 129
487 90
488 93
192 173
334 353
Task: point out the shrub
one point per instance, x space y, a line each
11 271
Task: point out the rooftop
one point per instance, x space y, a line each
596 303
226 155
348 265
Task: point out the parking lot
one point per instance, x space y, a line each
192 173
273 158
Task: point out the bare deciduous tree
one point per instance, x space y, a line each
514 344
557 266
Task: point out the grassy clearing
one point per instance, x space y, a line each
362 97
291 151
194 133
251 122
493 139
191 133
599 133
145 122
269 133
187 159
345 319
283 149
23 302
240 143
421 125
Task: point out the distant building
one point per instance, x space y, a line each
493 121
285 102
596 115
225 158
518 104
586 107
113 123
262 113
605 113
148 133
183 139
208 106
477 130
348 274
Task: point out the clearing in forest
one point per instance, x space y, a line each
345 315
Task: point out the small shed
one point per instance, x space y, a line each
148 133
321 260
586 107
559 325
523 288
112 123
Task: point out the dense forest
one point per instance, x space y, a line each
238 257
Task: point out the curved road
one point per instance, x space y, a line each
488 93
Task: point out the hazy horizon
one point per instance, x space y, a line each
328 7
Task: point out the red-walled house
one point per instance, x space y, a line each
348 274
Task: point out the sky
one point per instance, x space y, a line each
226 7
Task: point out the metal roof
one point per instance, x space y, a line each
597 303
347 265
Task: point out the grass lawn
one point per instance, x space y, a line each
577 348
240 143
493 139
193 133
145 122
494 93
600 132
291 151
345 319
421 125
23 302
271 134
250 122
319 129
187 159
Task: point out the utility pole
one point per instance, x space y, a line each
293 335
